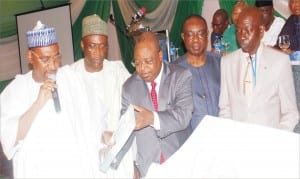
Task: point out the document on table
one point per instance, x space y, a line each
119 139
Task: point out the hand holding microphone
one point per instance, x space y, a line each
55 96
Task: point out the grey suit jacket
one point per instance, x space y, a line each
174 110
273 102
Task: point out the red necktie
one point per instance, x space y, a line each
155 105
154 96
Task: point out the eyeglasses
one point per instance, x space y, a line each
147 62
46 59
199 35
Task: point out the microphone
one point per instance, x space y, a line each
55 94
138 15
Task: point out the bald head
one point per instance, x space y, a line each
221 13
147 56
251 13
148 38
220 21
249 29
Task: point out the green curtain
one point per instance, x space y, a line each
102 8
194 7
125 42
3 84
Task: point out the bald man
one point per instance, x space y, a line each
219 24
256 81
162 95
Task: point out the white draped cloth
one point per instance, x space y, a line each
58 145
223 148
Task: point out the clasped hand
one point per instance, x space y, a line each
45 91
143 117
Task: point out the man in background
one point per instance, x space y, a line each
229 35
256 81
292 27
204 66
273 25
219 24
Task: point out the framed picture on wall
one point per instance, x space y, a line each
58 17
164 42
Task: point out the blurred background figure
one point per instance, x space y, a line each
219 24
273 25
292 28
229 34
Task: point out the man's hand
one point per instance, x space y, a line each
143 118
45 92
106 136
136 172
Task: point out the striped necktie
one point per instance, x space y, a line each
154 96
155 105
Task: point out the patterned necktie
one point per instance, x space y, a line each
155 105
247 82
154 96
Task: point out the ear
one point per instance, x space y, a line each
160 54
261 31
82 45
182 36
29 56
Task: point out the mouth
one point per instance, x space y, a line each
297 10
145 76
196 47
97 60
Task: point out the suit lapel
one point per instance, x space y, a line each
240 68
264 65
144 98
164 85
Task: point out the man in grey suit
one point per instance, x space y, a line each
256 81
162 127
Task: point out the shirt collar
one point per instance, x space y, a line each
157 79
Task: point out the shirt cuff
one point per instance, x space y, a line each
156 123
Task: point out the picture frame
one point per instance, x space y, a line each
164 42
58 17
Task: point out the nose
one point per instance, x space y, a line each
195 37
52 65
243 35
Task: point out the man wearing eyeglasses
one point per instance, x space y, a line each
204 66
44 142
162 96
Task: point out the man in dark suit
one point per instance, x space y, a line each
163 111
